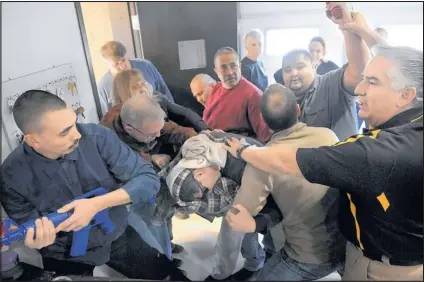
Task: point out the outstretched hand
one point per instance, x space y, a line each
233 144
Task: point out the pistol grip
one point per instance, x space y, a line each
79 242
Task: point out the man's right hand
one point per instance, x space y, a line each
45 234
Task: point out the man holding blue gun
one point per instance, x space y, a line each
61 160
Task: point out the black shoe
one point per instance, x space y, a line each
176 248
210 278
242 275
177 262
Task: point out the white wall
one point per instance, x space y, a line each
36 36
271 15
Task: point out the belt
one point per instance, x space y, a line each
391 261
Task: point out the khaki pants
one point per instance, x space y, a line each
358 267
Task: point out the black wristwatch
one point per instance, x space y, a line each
241 149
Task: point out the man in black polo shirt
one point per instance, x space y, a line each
379 172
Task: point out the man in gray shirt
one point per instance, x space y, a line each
328 100
113 53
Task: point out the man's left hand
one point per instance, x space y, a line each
84 211
242 221
233 145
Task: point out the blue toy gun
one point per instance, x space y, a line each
80 238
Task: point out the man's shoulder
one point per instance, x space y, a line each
306 136
324 135
248 88
140 63
93 130
14 162
105 81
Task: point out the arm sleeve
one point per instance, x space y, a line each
254 190
258 124
175 134
185 116
141 182
160 85
103 98
17 206
335 83
359 164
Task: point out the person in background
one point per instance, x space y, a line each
113 53
317 49
60 160
382 32
328 100
252 68
201 87
233 105
314 246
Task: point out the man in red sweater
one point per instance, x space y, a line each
234 104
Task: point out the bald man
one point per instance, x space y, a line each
201 87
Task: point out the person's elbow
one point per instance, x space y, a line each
143 188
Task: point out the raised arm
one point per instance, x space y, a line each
357 51
360 27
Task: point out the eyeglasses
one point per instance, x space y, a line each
148 136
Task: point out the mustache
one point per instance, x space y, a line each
74 144
230 77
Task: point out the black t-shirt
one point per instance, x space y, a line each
380 176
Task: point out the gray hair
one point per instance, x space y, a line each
204 77
225 50
140 109
409 70
256 34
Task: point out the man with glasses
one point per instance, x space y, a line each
140 125
113 53
233 105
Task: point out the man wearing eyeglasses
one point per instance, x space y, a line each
233 105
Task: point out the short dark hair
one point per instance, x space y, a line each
320 40
31 106
293 54
278 106
225 50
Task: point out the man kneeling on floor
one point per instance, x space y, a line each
314 247
205 179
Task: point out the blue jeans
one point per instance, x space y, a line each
157 236
252 252
280 267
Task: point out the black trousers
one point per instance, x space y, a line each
130 256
